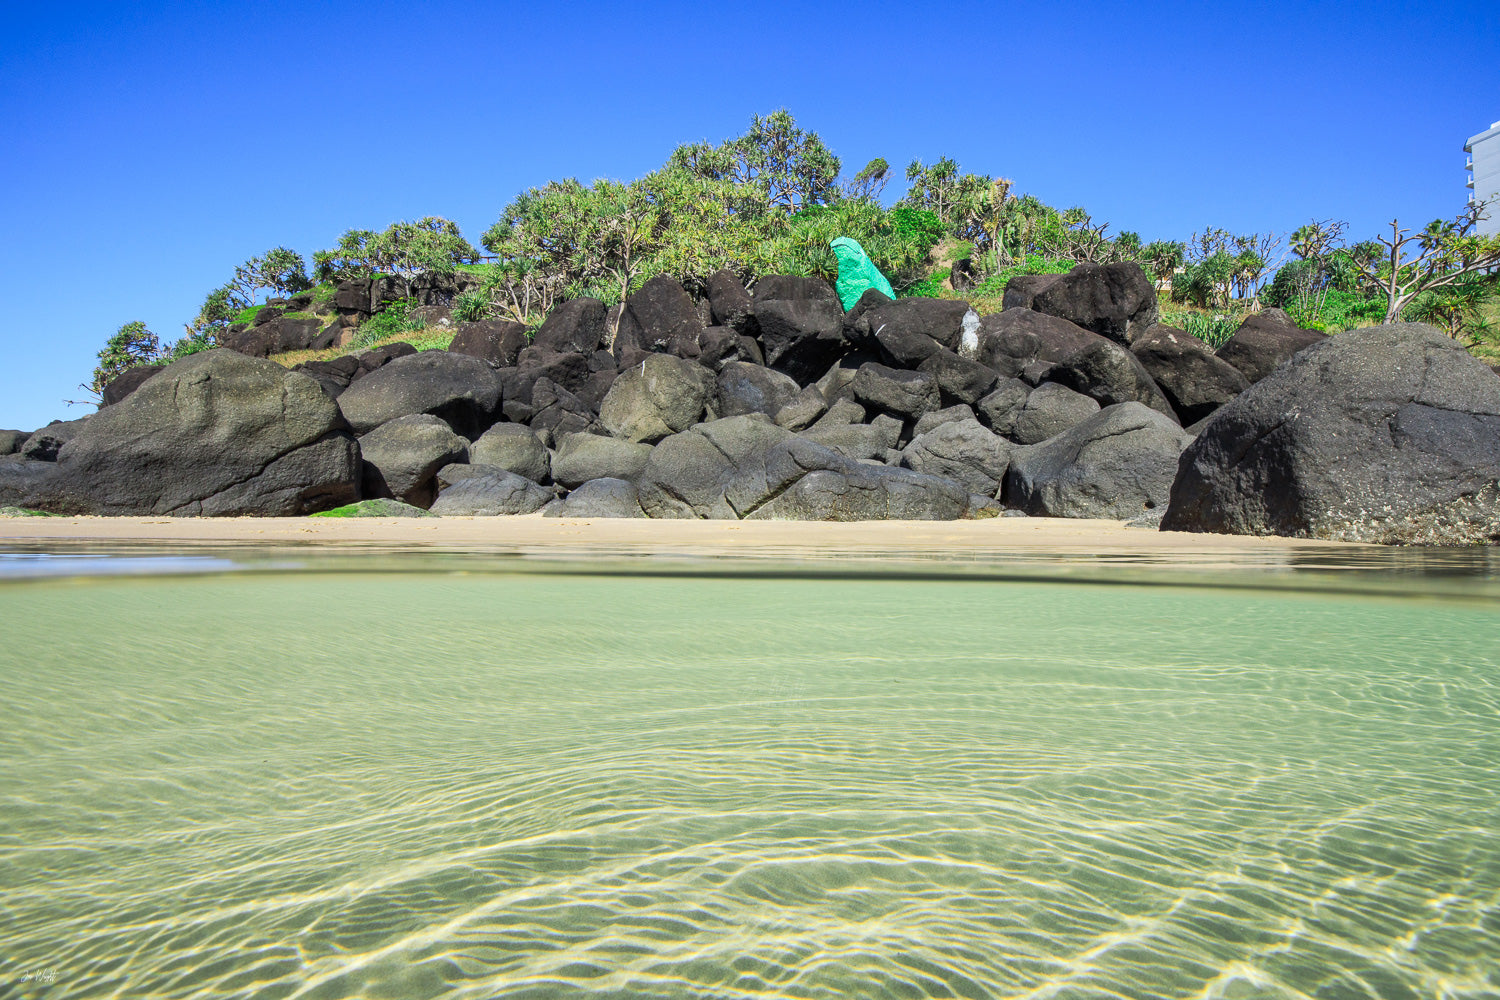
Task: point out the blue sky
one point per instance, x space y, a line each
146 149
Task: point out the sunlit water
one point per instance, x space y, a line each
411 785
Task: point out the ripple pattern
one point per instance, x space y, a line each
478 786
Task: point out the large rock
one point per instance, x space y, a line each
727 469
495 341
959 379
660 396
905 393
581 457
401 457
913 321
1009 341
487 492
127 382
1119 463
11 441
1263 341
217 433
1021 291
1111 374
43 445
962 450
556 411
1049 410
998 409
599 498
462 390
514 448
860 492
730 306
1117 301
801 325
571 371
574 327
279 335
1194 381
745 388
654 317
856 441
1389 435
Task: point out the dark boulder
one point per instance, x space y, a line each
937 418
998 409
962 450
581 457
599 498
1117 301
593 391
857 441
556 411
1022 290
495 341
905 393
352 296
959 379
216 433
464 391
1111 374
127 382
401 457
1194 381
719 345
940 320
481 491
745 388
1011 340
574 327
654 317
727 469
11 441
1118 463
279 335
1049 410
378 357
660 396
964 275
802 409
25 483
514 448
730 306
1263 341
571 371
43 445
1388 435
859 492
801 325
334 375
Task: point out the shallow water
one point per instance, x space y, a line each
464 783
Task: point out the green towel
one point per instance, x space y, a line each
857 272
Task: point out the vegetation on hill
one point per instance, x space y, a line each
771 200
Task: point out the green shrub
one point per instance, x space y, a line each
395 318
471 307
994 285
248 314
1212 329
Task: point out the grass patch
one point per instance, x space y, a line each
247 315
24 512
375 508
435 339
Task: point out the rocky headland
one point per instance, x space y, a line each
776 403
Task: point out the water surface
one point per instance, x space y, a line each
472 783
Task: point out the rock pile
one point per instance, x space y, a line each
774 402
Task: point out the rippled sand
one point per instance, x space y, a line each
466 784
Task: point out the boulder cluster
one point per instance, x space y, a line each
775 402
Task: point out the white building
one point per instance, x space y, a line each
1484 179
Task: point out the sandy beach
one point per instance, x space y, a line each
993 537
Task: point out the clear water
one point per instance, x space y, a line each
440 781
